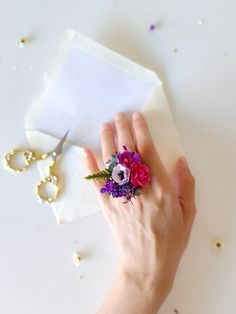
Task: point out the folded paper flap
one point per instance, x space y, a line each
162 127
84 66
73 39
87 87
113 58
92 48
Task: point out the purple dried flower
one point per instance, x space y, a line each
127 157
117 190
109 186
152 27
136 158
124 190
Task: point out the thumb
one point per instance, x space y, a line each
185 185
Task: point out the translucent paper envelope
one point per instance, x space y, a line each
86 86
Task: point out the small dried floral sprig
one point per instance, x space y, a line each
125 176
100 175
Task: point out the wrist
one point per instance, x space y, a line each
151 286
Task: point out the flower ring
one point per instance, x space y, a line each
125 175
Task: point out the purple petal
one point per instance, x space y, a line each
136 158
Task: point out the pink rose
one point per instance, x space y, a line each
139 175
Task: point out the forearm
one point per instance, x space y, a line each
131 294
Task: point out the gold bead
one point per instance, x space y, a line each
217 245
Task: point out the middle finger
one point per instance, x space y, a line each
124 132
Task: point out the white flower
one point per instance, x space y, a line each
120 174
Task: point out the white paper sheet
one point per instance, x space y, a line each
87 85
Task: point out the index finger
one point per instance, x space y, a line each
107 141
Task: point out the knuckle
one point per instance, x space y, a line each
189 179
192 179
122 123
191 217
140 123
194 211
165 194
167 187
130 145
105 133
146 147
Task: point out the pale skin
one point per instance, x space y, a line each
153 233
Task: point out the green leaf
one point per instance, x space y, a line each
111 166
137 192
100 175
113 158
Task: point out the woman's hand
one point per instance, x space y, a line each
151 234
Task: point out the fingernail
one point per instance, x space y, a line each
119 115
105 126
136 115
184 162
85 153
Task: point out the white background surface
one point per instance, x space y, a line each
37 274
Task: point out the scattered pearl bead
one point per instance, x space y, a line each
201 21
77 258
14 67
22 42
